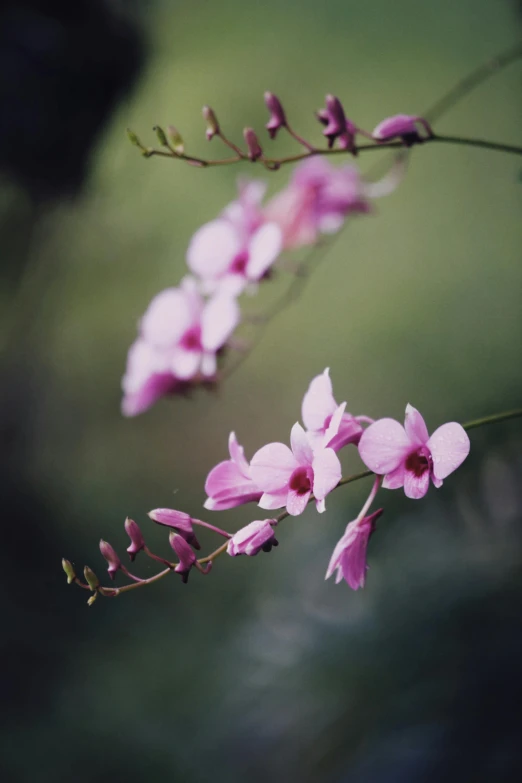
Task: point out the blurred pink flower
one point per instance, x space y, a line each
326 422
317 201
408 457
404 126
288 477
229 483
252 538
180 335
349 555
239 247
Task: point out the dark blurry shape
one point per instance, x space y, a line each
64 67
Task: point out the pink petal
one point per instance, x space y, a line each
237 455
415 426
225 477
384 445
449 446
219 319
318 402
397 125
300 445
335 423
272 466
185 364
327 472
212 249
263 249
415 487
395 479
208 364
320 506
297 502
271 500
168 316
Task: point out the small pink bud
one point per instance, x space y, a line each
252 142
403 126
111 557
277 114
187 558
212 122
337 125
252 538
137 541
179 521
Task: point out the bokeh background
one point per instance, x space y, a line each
263 671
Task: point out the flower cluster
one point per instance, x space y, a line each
187 329
289 477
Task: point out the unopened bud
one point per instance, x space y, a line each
160 133
92 599
133 138
212 122
179 521
111 557
91 578
176 140
186 556
252 142
69 571
277 114
137 541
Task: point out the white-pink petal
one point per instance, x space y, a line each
237 455
272 500
415 487
384 445
212 249
327 472
272 466
264 247
318 402
300 445
185 364
167 317
415 426
395 478
219 319
297 502
449 446
335 422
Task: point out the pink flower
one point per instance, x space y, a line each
277 114
326 422
180 335
252 538
229 483
408 457
403 126
317 200
186 556
349 555
288 477
238 248
178 521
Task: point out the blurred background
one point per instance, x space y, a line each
262 671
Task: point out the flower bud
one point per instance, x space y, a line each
111 557
69 571
160 133
133 138
277 114
212 122
176 140
252 538
137 541
403 126
252 142
187 558
337 125
179 521
91 578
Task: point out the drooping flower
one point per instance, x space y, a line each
277 114
408 457
230 483
337 124
111 556
349 555
178 521
180 335
251 539
318 199
137 543
403 126
239 247
327 424
186 556
288 477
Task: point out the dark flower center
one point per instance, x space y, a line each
300 481
239 263
191 340
418 462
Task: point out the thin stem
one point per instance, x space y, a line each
496 417
488 145
371 497
212 527
232 146
298 138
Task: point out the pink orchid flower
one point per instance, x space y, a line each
288 477
252 538
180 335
319 197
326 422
349 555
408 457
229 483
237 249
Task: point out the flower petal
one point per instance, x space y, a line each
415 487
395 478
185 364
263 249
271 500
384 445
219 319
300 445
318 402
212 249
449 446
327 472
335 423
167 318
237 455
272 466
415 426
297 502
